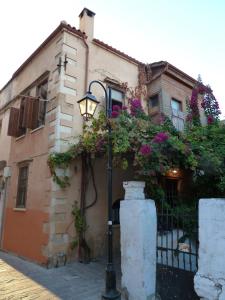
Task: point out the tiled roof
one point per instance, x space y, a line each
112 49
173 68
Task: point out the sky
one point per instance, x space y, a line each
189 34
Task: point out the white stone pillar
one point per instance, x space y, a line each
138 242
210 278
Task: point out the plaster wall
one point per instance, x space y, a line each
97 215
210 278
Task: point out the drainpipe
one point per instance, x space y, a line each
3 212
86 65
84 256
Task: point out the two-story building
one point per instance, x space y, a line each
39 115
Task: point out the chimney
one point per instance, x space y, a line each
87 22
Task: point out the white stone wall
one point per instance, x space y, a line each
138 243
210 278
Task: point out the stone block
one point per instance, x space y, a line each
60 208
66 123
60 227
67 109
60 217
69 84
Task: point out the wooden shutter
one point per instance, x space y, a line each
21 127
13 122
31 111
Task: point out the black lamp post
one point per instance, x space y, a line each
88 106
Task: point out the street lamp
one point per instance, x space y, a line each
88 106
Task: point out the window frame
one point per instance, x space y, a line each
24 187
151 97
41 122
178 101
116 101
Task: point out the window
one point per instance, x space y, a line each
154 101
21 128
176 105
22 187
42 93
177 114
117 97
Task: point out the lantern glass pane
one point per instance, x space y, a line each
83 107
91 106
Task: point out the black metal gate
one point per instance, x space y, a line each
177 251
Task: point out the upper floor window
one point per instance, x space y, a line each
176 105
117 97
22 187
42 93
154 101
177 114
32 110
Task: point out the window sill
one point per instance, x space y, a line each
38 128
19 209
20 137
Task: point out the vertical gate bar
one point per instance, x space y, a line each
172 239
190 246
167 263
178 253
183 230
162 222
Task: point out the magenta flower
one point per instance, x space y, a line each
135 107
115 114
116 108
124 107
210 119
145 150
160 137
201 89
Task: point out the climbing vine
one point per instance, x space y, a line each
208 103
151 147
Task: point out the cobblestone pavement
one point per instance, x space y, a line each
20 279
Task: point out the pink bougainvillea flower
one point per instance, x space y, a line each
124 107
201 89
116 108
160 137
135 107
145 150
210 119
115 114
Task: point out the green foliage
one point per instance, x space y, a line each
152 148
79 224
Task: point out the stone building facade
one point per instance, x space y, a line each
39 115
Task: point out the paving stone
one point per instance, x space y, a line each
23 280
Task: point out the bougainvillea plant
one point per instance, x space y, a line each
150 148
207 101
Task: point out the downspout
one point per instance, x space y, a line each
84 256
3 212
86 64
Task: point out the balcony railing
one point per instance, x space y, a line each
178 118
